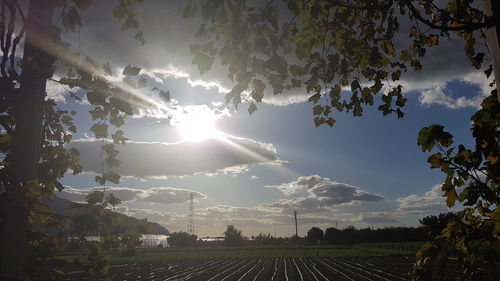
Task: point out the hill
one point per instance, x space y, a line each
65 207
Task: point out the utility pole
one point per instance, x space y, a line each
296 228
191 214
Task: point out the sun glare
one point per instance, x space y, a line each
198 126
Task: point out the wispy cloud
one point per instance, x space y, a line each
152 159
160 195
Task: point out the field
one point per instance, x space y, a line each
252 269
371 261
160 255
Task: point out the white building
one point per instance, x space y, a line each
148 240
154 240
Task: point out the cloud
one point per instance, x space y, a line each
322 192
55 91
334 193
152 159
166 195
377 218
301 184
253 220
160 195
432 202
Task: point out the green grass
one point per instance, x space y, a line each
358 250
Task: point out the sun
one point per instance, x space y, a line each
198 126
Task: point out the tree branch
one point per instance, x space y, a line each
464 27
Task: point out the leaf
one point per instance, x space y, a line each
112 177
317 110
432 40
330 122
203 61
319 121
314 98
131 70
358 111
94 197
5 142
414 31
252 108
100 130
258 90
118 137
113 200
435 160
429 136
165 95
376 87
390 48
451 197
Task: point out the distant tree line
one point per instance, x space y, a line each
430 226
350 235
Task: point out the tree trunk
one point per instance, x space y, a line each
28 112
492 9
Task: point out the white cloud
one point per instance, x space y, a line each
150 159
301 184
432 202
55 91
384 218
323 192
160 195
437 96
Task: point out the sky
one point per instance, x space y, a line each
253 171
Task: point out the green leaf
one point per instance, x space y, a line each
314 98
165 95
376 87
112 177
252 108
118 137
131 70
330 122
100 130
94 197
429 136
435 160
113 200
451 197
204 62
319 121
317 110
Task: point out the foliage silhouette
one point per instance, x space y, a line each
343 53
233 236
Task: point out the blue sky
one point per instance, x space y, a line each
364 171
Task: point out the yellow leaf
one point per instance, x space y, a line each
492 159
413 31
